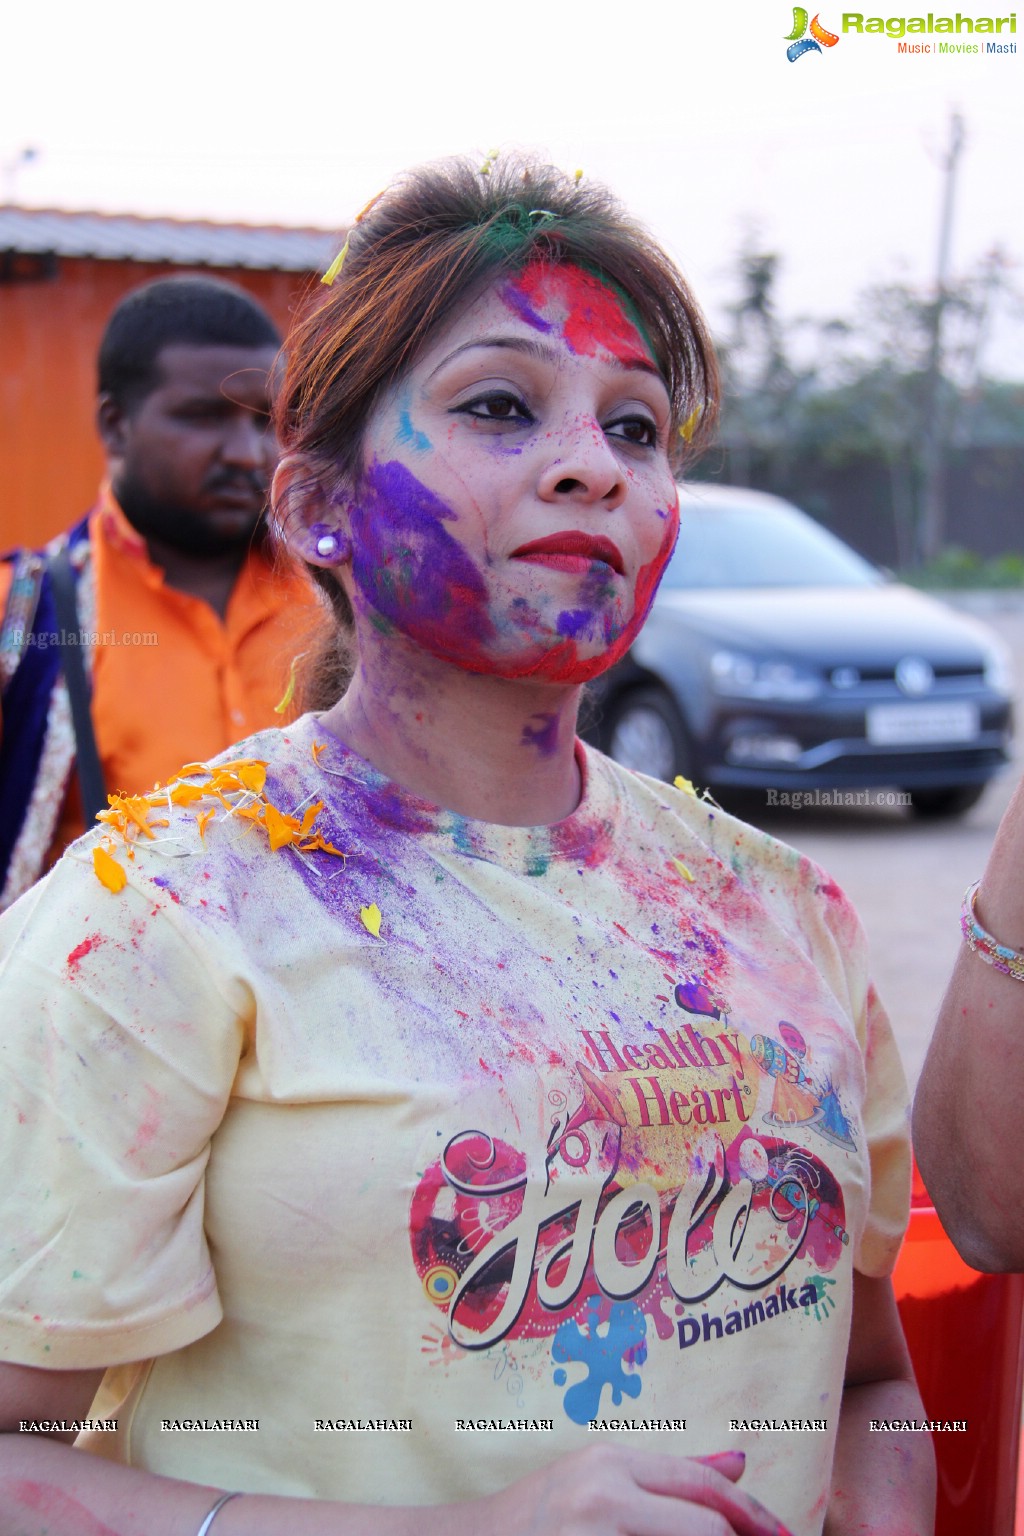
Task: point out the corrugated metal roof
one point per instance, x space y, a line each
128 237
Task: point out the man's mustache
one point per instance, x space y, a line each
239 479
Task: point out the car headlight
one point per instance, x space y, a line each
999 666
747 677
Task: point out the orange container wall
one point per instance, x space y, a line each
965 1332
50 459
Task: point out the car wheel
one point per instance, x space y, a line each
644 730
946 802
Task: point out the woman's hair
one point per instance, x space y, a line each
424 249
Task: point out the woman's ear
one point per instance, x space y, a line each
310 513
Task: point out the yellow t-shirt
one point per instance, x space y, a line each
594 1130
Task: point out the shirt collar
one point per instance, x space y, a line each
117 530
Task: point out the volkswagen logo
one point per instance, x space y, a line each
914 676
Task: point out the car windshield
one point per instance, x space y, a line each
759 546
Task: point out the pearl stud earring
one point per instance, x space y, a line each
327 545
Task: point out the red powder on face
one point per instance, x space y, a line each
593 313
562 663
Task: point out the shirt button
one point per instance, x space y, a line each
237 718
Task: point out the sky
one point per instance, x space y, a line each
689 109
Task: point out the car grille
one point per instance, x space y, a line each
882 680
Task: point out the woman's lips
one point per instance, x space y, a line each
572 551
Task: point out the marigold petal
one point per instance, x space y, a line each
316 844
225 782
289 692
371 918
280 829
239 762
335 267
253 776
689 426
203 818
184 794
311 814
108 871
252 812
137 810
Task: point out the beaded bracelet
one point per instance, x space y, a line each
1009 961
214 1512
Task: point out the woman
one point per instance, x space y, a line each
968 1154
407 1089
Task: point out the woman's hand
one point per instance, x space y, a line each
49 1489
609 1491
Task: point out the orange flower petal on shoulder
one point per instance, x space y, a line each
184 794
281 829
253 776
108 871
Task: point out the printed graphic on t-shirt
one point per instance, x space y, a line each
665 1175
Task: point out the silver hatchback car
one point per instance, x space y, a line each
776 657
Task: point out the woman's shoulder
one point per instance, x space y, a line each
796 889
683 807
212 826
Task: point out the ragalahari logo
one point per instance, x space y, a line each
800 43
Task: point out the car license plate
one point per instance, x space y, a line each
911 725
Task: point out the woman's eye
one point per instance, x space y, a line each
634 429
497 406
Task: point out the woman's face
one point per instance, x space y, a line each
517 508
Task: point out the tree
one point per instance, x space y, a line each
871 389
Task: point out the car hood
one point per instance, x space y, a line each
830 626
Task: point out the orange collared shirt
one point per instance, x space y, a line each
173 682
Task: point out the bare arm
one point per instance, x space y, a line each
966 1120
881 1480
50 1489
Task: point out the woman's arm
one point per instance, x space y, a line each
966 1113
881 1481
50 1489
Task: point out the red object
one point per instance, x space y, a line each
965 1334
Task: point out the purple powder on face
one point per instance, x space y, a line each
575 621
517 301
411 570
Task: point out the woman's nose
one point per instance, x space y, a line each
583 467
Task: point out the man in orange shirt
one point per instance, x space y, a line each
187 631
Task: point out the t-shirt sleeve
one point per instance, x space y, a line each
120 1040
887 1127
843 956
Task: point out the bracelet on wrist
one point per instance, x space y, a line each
1001 956
214 1512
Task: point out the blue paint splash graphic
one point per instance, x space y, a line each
604 1349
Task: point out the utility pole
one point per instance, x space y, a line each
932 526
10 168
